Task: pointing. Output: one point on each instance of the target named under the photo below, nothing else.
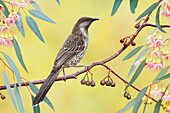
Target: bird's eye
(84, 20)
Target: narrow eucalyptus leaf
(150, 9)
(18, 98)
(138, 99)
(18, 53)
(133, 5)
(137, 73)
(157, 20)
(9, 90)
(13, 67)
(132, 53)
(116, 6)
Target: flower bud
(102, 82)
(133, 44)
(87, 83)
(122, 41)
(83, 82)
(92, 83)
(113, 84)
(137, 25)
(108, 83)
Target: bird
(70, 55)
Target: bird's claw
(64, 78)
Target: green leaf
(132, 53)
(137, 73)
(38, 14)
(157, 20)
(128, 106)
(18, 53)
(5, 11)
(13, 67)
(164, 77)
(138, 100)
(35, 90)
(58, 2)
(18, 98)
(35, 5)
(143, 53)
(161, 74)
(150, 9)
(158, 104)
(33, 26)
(116, 6)
(9, 90)
(36, 108)
(133, 5)
(19, 25)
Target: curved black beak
(94, 19)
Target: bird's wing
(72, 46)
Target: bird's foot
(64, 78)
(64, 75)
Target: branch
(156, 25)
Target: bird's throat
(84, 31)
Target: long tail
(46, 86)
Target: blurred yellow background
(71, 96)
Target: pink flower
(5, 28)
(150, 64)
(165, 3)
(137, 63)
(168, 109)
(166, 97)
(10, 21)
(167, 57)
(165, 12)
(151, 37)
(159, 42)
(6, 42)
(16, 17)
(23, 4)
(155, 92)
(13, 2)
(155, 53)
(157, 67)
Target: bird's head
(85, 22)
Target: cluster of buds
(109, 82)
(158, 92)
(158, 52)
(127, 95)
(88, 83)
(165, 8)
(124, 41)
